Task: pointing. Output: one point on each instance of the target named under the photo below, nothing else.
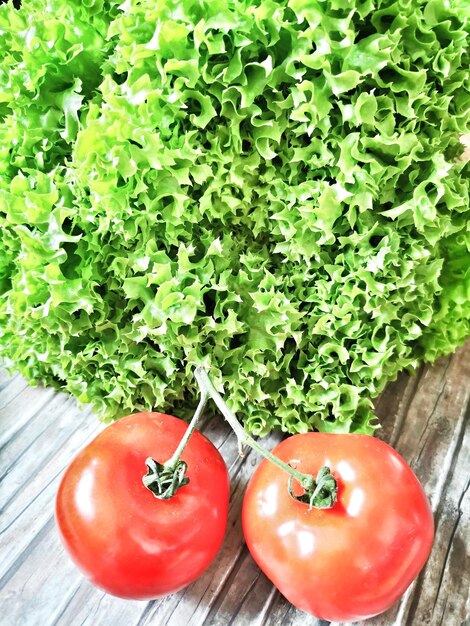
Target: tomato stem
(192, 425)
(164, 479)
(320, 493)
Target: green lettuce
(271, 189)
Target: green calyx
(320, 493)
(165, 480)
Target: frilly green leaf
(266, 189)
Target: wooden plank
(284, 613)
(33, 593)
(6, 378)
(31, 495)
(439, 598)
(19, 402)
(30, 449)
(424, 417)
(91, 607)
(431, 441)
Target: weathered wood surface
(425, 417)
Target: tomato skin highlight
(126, 541)
(352, 561)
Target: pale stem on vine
(165, 479)
(207, 388)
(189, 431)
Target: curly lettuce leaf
(269, 189)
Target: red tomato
(124, 539)
(356, 559)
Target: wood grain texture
(424, 416)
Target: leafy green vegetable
(266, 188)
